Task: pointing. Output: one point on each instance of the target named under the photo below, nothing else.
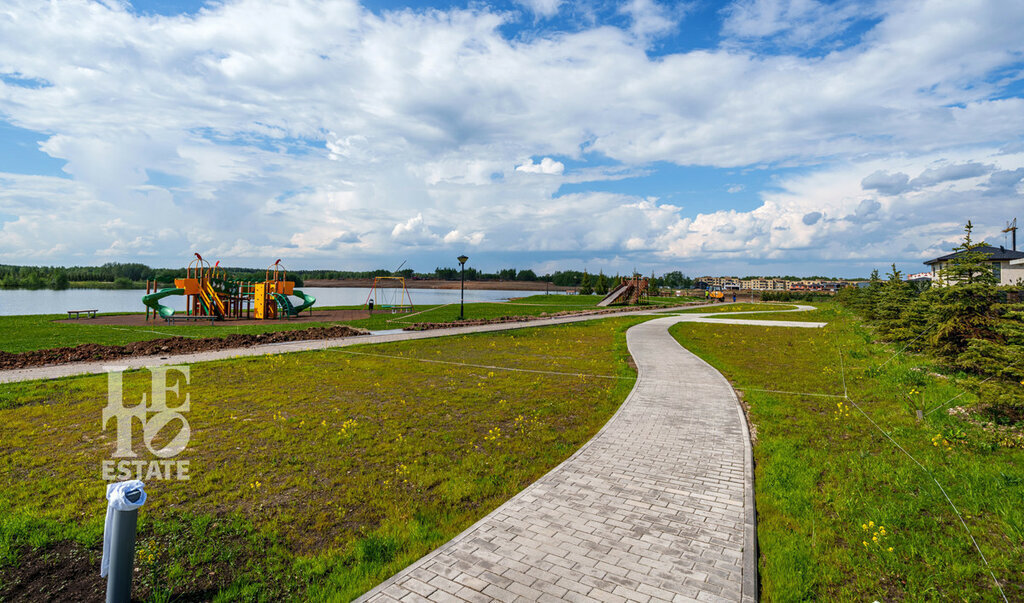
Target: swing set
(389, 293)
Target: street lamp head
(462, 259)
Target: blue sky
(745, 137)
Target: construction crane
(1011, 227)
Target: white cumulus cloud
(546, 165)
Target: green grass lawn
(41, 331)
(533, 305)
(38, 332)
(314, 475)
(821, 313)
(738, 307)
(828, 480)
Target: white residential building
(1007, 264)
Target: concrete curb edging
(750, 555)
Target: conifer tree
(1001, 354)
(963, 307)
(868, 298)
(964, 318)
(970, 265)
(601, 285)
(891, 300)
(585, 287)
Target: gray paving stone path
(658, 506)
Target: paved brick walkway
(658, 506)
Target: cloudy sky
(753, 137)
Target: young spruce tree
(601, 286)
(961, 307)
(585, 287)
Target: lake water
(44, 301)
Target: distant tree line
(112, 274)
(602, 284)
(132, 275)
(967, 321)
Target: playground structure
(630, 292)
(389, 293)
(211, 295)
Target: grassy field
(37, 332)
(313, 475)
(534, 305)
(737, 307)
(822, 314)
(843, 512)
(41, 331)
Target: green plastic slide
(286, 304)
(307, 301)
(153, 301)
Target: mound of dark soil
(166, 346)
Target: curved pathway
(658, 506)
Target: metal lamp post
(462, 303)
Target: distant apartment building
(725, 282)
(763, 284)
(825, 286)
(767, 284)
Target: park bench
(172, 319)
(78, 313)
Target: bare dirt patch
(166, 346)
(65, 571)
(139, 319)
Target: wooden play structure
(630, 292)
(389, 293)
(211, 295)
